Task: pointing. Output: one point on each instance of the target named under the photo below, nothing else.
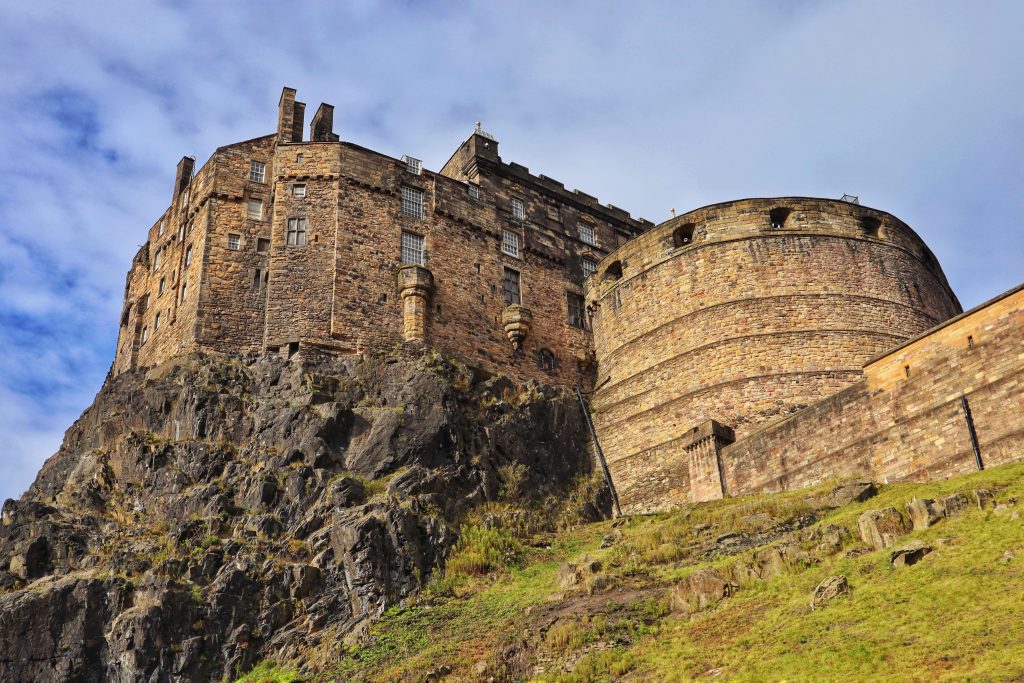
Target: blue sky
(915, 106)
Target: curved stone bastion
(742, 313)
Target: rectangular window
(299, 158)
(156, 322)
(553, 212)
(234, 242)
(510, 243)
(257, 171)
(299, 190)
(589, 267)
(412, 165)
(254, 209)
(576, 310)
(257, 279)
(510, 287)
(474, 191)
(412, 249)
(145, 334)
(188, 256)
(518, 210)
(158, 258)
(163, 285)
(163, 224)
(412, 202)
(587, 234)
(296, 231)
(262, 245)
(184, 290)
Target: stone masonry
(726, 350)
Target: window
(587, 233)
(546, 361)
(163, 224)
(777, 217)
(474, 191)
(510, 287)
(257, 171)
(262, 245)
(870, 225)
(299, 190)
(254, 209)
(299, 158)
(683, 235)
(163, 285)
(518, 210)
(589, 266)
(510, 243)
(553, 212)
(412, 165)
(576, 310)
(158, 258)
(184, 197)
(184, 290)
(188, 256)
(296, 231)
(257, 279)
(156, 322)
(145, 334)
(234, 242)
(412, 249)
(412, 202)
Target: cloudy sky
(916, 107)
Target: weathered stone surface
(910, 553)
(881, 528)
(984, 498)
(852, 492)
(828, 590)
(230, 492)
(925, 512)
(701, 590)
(956, 504)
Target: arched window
(777, 217)
(870, 225)
(683, 235)
(613, 271)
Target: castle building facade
(774, 322)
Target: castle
(747, 346)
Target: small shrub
(268, 672)
(481, 550)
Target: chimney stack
(321, 128)
(183, 176)
(290, 117)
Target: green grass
(957, 615)
(268, 672)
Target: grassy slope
(956, 615)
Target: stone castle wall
(905, 419)
(720, 315)
(340, 291)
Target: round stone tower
(742, 313)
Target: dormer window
(414, 166)
(518, 210)
(683, 235)
(777, 217)
(257, 171)
(588, 234)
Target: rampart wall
(905, 419)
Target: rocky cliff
(214, 511)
